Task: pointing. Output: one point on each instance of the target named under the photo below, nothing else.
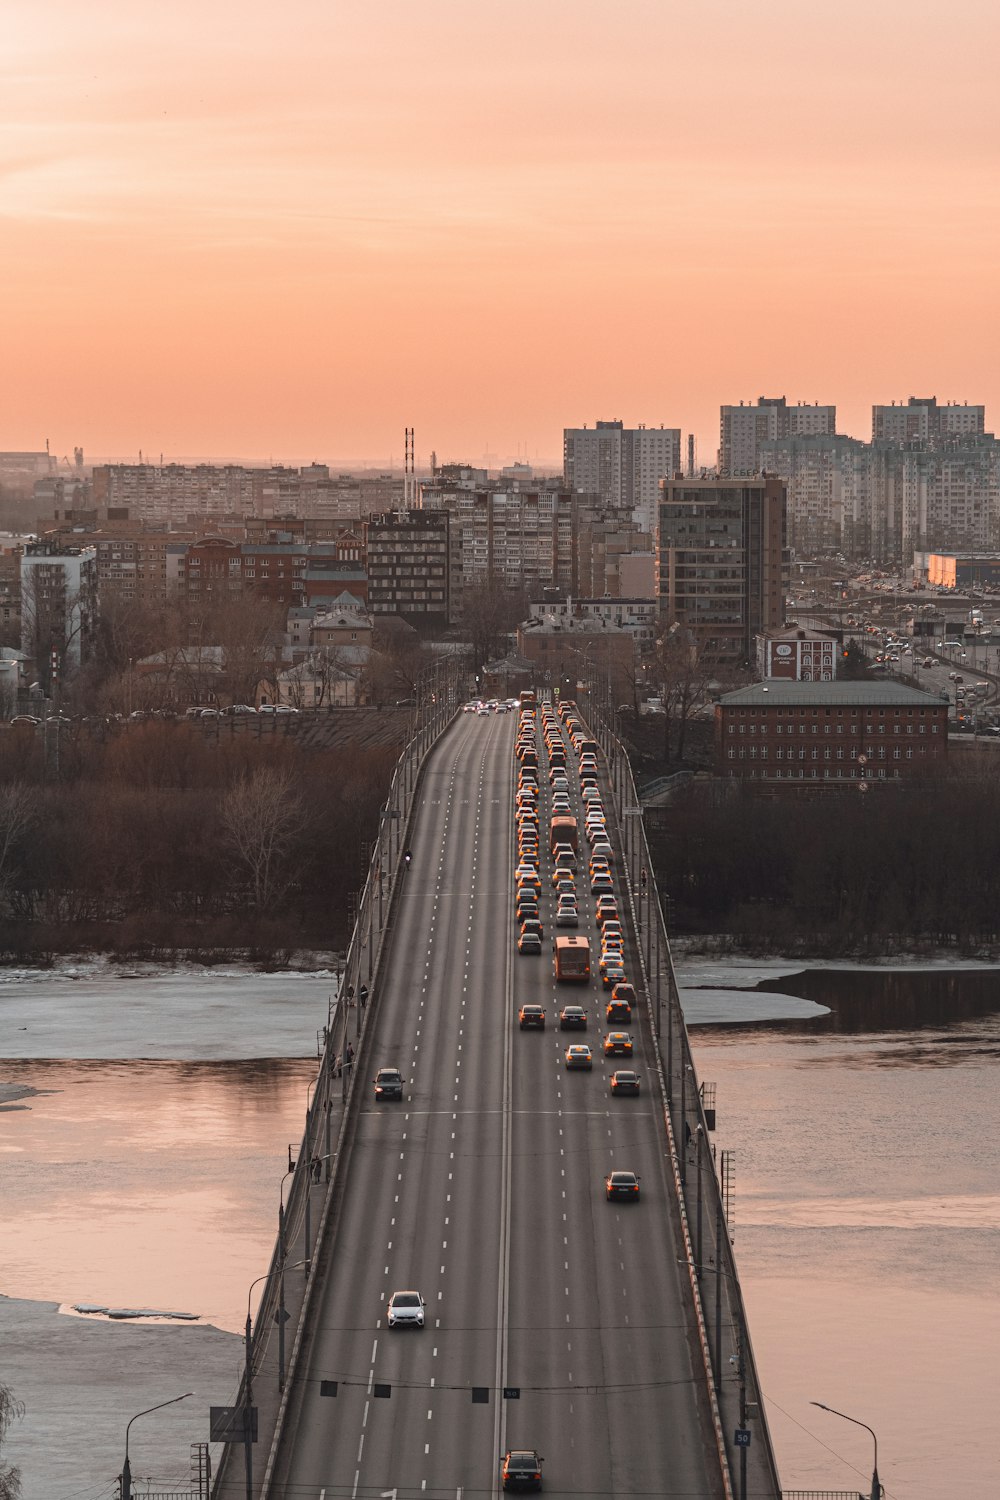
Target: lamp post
(126, 1467)
(876, 1493)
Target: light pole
(876, 1486)
(126, 1467)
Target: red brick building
(808, 732)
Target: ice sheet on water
(707, 1007)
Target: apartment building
(622, 465)
(805, 733)
(215, 569)
(722, 561)
(167, 495)
(521, 539)
(607, 544)
(58, 607)
(922, 420)
(828, 480)
(409, 572)
(743, 428)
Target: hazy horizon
(303, 231)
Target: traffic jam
(562, 841)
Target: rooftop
(842, 694)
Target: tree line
(163, 843)
(897, 869)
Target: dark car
(572, 1018)
(389, 1083)
(618, 1012)
(624, 1081)
(522, 1469)
(621, 1185)
(531, 1015)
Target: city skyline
(296, 236)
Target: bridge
(610, 1337)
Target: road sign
(512, 1393)
(742, 1437)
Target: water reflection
(146, 1184)
(867, 1218)
(888, 1000)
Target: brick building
(797, 655)
(798, 732)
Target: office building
(722, 562)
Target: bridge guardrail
(436, 706)
(698, 1180)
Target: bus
(527, 698)
(572, 960)
(563, 830)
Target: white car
(405, 1307)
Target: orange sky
(292, 230)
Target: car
(611, 929)
(617, 1044)
(567, 916)
(529, 943)
(389, 1083)
(624, 992)
(579, 1055)
(572, 1018)
(561, 807)
(607, 913)
(405, 1309)
(601, 884)
(618, 1012)
(565, 860)
(528, 912)
(25, 719)
(531, 1016)
(521, 1469)
(591, 796)
(624, 1081)
(533, 924)
(602, 848)
(564, 884)
(528, 878)
(621, 1185)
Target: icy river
(146, 1119)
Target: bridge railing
(302, 1214)
(731, 1367)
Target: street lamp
(876, 1486)
(126, 1467)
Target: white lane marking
(361, 1447)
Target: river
(867, 1215)
(145, 1121)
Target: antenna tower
(409, 472)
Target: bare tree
(490, 612)
(682, 669)
(262, 816)
(18, 806)
(11, 1410)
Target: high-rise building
(518, 538)
(623, 465)
(743, 428)
(722, 561)
(922, 420)
(827, 477)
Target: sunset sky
(290, 231)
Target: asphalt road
(484, 1191)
